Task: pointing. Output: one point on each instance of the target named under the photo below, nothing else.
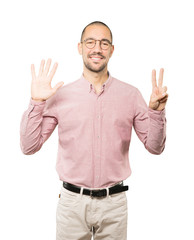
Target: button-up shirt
(94, 130)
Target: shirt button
(98, 136)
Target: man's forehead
(97, 30)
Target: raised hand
(159, 96)
(41, 88)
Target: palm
(159, 96)
(41, 85)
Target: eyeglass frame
(104, 39)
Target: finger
(57, 86)
(33, 71)
(160, 80)
(52, 73)
(41, 67)
(164, 99)
(154, 79)
(161, 97)
(164, 89)
(48, 64)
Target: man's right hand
(41, 88)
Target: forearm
(31, 138)
(156, 136)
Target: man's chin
(96, 69)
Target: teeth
(96, 58)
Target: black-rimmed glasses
(91, 43)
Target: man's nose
(97, 47)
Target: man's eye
(104, 43)
(90, 42)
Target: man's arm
(36, 127)
(39, 121)
(150, 122)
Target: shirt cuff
(36, 107)
(157, 115)
(36, 103)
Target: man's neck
(97, 79)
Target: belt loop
(107, 192)
(81, 191)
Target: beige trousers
(80, 217)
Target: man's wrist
(37, 100)
(37, 103)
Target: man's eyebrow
(103, 39)
(89, 39)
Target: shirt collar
(88, 85)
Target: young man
(95, 116)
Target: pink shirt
(94, 130)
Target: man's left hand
(159, 96)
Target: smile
(96, 59)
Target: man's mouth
(96, 58)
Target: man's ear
(80, 48)
(112, 50)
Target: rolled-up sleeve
(149, 125)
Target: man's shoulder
(71, 84)
(68, 87)
(124, 85)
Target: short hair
(96, 23)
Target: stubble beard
(96, 70)
(92, 68)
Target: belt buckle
(91, 191)
(99, 195)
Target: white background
(147, 34)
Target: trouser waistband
(96, 192)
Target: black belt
(96, 193)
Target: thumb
(57, 86)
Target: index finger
(160, 80)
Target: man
(95, 115)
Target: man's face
(96, 59)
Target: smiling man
(96, 49)
(95, 115)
